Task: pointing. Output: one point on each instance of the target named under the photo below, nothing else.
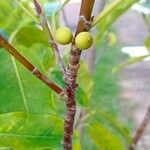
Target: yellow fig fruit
(63, 35)
(84, 40)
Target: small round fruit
(63, 35)
(84, 40)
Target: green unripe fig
(84, 40)
(63, 35)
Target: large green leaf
(113, 123)
(37, 43)
(30, 35)
(23, 131)
(19, 89)
(103, 138)
(109, 19)
(15, 19)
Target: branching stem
(45, 26)
(71, 74)
(9, 48)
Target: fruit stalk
(9, 48)
(71, 74)
(51, 40)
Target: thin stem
(62, 6)
(140, 130)
(71, 74)
(10, 49)
(43, 19)
(106, 11)
(51, 40)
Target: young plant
(81, 40)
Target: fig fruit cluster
(63, 35)
(83, 40)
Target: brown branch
(85, 10)
(140, 130)
(44, 25)
(9, 48)
(71, 74)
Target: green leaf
(22, 131)
(27, 9)
(15, 20)
(44, 55)
(103, 138)
(82, 97)
(111, 17)
(19, 89)
(76, 141)
(56, 76)
(114, 123)
(84, 78)
(105, 89)
(30, 35)
(129, 62)
(147, 43)
(15, 16)
(6, 8)
(83, 93)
